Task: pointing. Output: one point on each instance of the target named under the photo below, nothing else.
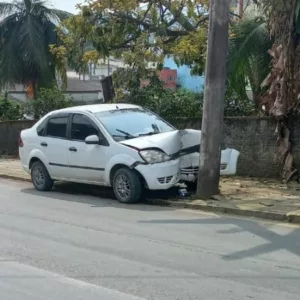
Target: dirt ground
(250, 188)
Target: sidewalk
(268, 199)
(12, 169)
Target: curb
(12, 177)
(275, 216)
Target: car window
(132, 122)
(41, 128)
(57, 127)
(82, 127)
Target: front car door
(53, 143)
(86, 162)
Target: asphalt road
(61, 246)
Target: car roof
(95, 108)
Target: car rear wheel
(127, 186)
(40, 177)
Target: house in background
(88, 91)
(180, 75)
(104, 68)
(167, 76)
(184, 78)
(97, 72)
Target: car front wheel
(40, 177)
(127, 186)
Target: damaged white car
(119, 145)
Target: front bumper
(190, 174)
(160, 176)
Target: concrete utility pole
(214, 94)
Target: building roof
(74, 85)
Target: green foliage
(235, 106)
(165, 102)
(46, 101)
(140, 32)
(27, 29)
(170, 103)
(10, 110)
(248, 60)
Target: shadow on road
(274, 241)
(97, 196)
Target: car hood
(186, 141)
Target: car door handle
(73, 149)
(43, 144)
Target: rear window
(41, 128)
(57, 127)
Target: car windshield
(131, 123)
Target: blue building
(187, 81)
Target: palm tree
(27, 30)
(248, 60)
(282, 82)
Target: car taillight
(20, 142)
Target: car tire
(127, 186)
(40, 177)
(191, 185)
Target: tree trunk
(241, 8)
(34, 90)
(256, 100)
(34, 97)
(213, 110)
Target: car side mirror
(92, 140)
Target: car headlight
(154, 156)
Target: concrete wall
(87, 97)
(253, 137)
(91, 97)
(9, 135)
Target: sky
(67, 5)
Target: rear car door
(54, 145)
(86, 162)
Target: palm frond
(7, 8)
(11, 64)
(248, 57)
(27, 30)
(31, 34)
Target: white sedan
(120, 145)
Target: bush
(46, 101)
(235, 106)
(169, 103)
(10, 110)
